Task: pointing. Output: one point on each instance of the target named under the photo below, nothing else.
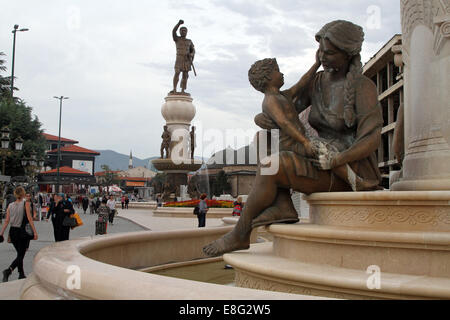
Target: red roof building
(65, 170)
(52, 138)
(75, 149)
(76, 167)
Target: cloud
(115, 60)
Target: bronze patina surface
(346, 114)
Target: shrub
(194, 203)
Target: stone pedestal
(426, 56)
(403, 235)
(178, 111)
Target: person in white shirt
(111, 204)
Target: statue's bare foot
(227, 243)
(365, 185)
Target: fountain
(380, 244)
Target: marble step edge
(361, 236)
(380, 196)
(260, 261)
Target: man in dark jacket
(61, 209)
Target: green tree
(110, 178)
(158, 182)
(20, 120)
(5, 82)
(15, 114)
(220, 185)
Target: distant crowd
(22, 209)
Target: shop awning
(135, 184)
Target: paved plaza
(131, 220)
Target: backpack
(196, 210)
(237, 210)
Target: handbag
(26, 232)
(69, 221)
(78, 218)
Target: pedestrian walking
(159, 201)
(51, 205)
(122, 200)
(62, 209)
(39, 205)
(18, 214)
(237, 207)
(203, 209)
(101, 224)
(127, 201)
(91, 205)
(85, 202)
(112, 209)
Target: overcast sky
(115, 59)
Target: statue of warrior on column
(185, 57)
(165, 145)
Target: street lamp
(16, 28)
(59, 139)
(5, 141)
(19, 143)
(33, 155)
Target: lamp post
(4, 150)
(59, 140)
(16, 28)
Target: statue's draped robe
(332, 129)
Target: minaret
(130, 163)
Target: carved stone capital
(441, 32)
(434, 14)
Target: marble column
(426, 55)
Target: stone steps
(260, 268)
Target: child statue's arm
(306, 79)
(273, 108)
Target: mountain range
(117, 161)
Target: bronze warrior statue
(185, 57)
(165, 145)
(346, 114)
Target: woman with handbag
(60, 213)
(19, 215)
(103, 215)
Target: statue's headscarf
(349, 38)
(345, 35)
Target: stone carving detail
(384, 215)
(245, 280)
(442, 33)
(434, 14)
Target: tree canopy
(15, 114)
